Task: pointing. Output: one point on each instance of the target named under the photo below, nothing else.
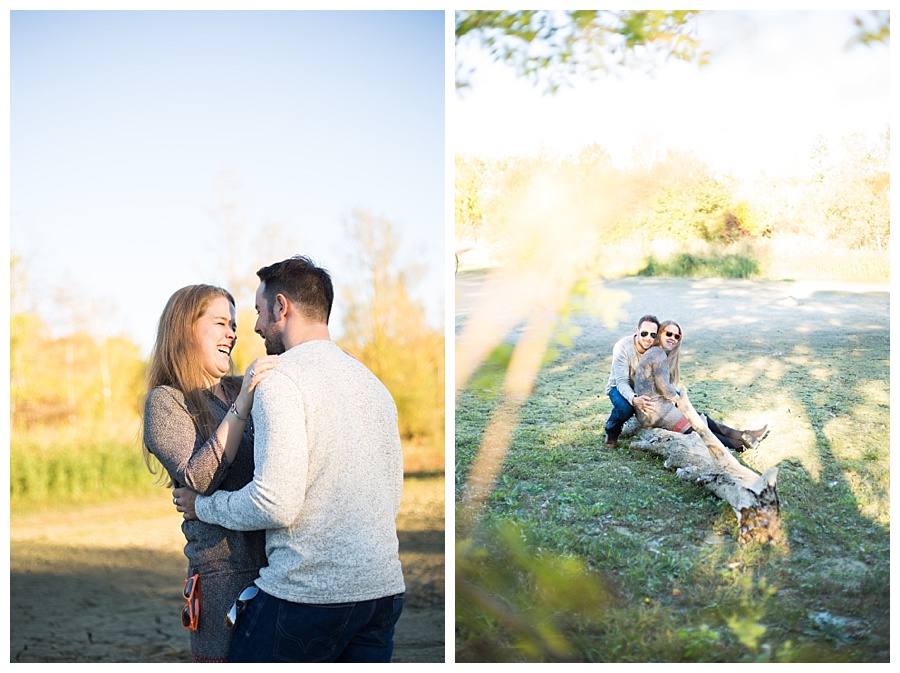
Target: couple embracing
(643, 382)
(289, 478)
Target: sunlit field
(585, 553)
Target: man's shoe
(611, 442)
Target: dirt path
(90, 586)
(701, 303)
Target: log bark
(700, 457)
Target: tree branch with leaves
(553, 47)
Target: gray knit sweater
(171, 436)
(327, 482)
(651, 378)
(625, 360)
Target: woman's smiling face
(215, 335)
(669, 337)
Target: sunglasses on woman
(673, 334)
(190, 613)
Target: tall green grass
(690, 265)
(71, 466)
(43, 477)
(75, 464)
(785, 257)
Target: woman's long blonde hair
(673, 354)
(175, 360)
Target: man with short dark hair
(326, 487)
(620, 387)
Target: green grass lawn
(587, 553)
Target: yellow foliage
(387, 329)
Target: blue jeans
(275, 630)
(621, 412)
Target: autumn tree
(25, 329)
(387, 329)
(84, 378)
(469, 196)
(848, 197)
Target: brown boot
(611, 441)
(759, 434)
(751, 438)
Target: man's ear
(281, 306)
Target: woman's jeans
(274, 630)
(621, 412)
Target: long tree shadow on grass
(689, 591)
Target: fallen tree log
(700, 457)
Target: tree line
(843, 197)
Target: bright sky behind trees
(776, 81)
(122, 124)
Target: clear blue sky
(122, 121)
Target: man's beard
(274, 338)
(274, 344)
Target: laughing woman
(197, 425)
(657, 376)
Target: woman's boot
(752, 438)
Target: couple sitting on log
(643, 382)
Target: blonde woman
(657, 376)
(197, 425)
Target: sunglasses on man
(237, 608)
